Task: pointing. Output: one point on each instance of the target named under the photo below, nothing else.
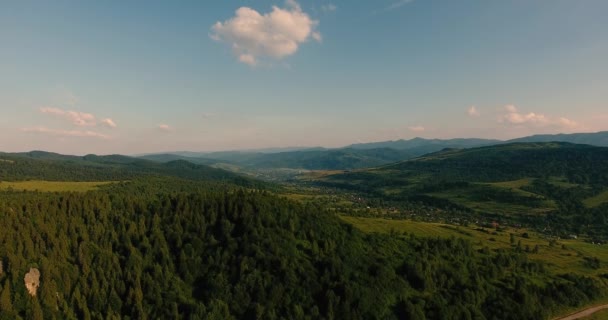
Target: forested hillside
(141, 252)
(51, 166)
(323, 159)
(559, 187)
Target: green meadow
(53, 186)
(597, 200)
(564, 255)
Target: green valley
(514, 231)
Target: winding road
(584, 313)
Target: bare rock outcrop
(32, 281)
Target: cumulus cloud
(417, 128)
(66, 133)
(473, 112)
(329, 7)
(164, 127)
(513, 116)
(108, 123)
(80, 119)
(274, 35)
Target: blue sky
(143, 76)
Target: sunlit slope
(510, 178)
(39, 165)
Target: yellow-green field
(601, 315)
(559, 259)
(53, 186)
(318, 174)
(597, 200)
(515, 184)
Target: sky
(131, 77)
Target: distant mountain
(334, 159)
(594, 139)
(327, 159)
(222, 155)
(356, 156)
(428, 144)
(168, 157)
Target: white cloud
(80, 119)
(473, 112)
(395, 5)
(274, 35)
(417, 128)
(66, 133)
(513, 116)
(248, 59)
(565, 122)
(164, 127)
(108, 123)
(329, 7)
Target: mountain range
(356, 156)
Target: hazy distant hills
(426, 144)
(351, 157)
(594, 139)
(168, 157)
(356, 156)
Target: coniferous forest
(148, 249)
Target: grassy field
(602, 315)
(53, 186)
(515, 184)
(317, 174)
(563, 256)
(597, 200)
(464, 199)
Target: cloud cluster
(108, 123)
(80, 119)
(75, 118)
(513, 116)
(164, 127)
(274, 35)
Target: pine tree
(6, 305)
